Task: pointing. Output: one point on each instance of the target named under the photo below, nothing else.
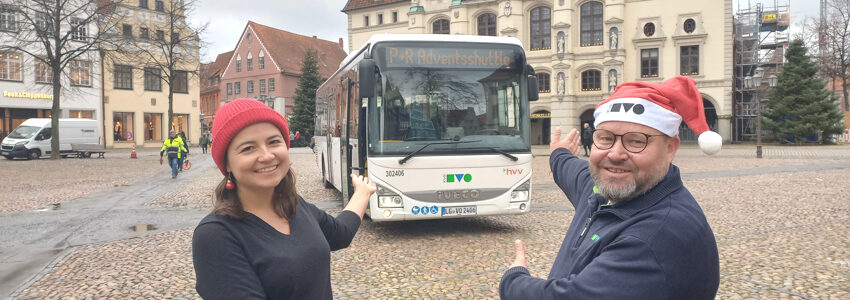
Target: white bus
(439, 122)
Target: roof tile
(287, 49)
(358, 4)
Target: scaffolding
(761, 37)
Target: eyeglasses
(634, 142)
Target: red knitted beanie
(235, 115)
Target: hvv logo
(509, 171)
(457, 178)
(638, 109)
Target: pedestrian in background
(205, 141)
(185, 151)
(637, 232)
(263, 240)
(172, 148)
(586, 138)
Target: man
(637, 232)
(173, 147)
(184, 152)
(204, 141)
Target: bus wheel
(34, 154)
(324, 178)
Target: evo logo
(637, 109)
(509, 171)
(457, 178)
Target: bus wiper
(412, 154)
(508, 155)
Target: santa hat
(661, 106)
(235, 115)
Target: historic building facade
(582, 49)
(266, 65)
(135, 92)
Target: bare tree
(56, 33)
(171, 51)
(832, 44)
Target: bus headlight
(388, 198)
(521, 193)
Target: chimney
(314, 37)
(340, 43)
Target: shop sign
(27, 95)
(541, 115)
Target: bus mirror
(367, 78)
(532, 88)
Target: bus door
(348, 142)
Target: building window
(395, 16)
(541, 18)
(80, 72)
(689, 62)
(79, 30)
(81, 114)
(144, 33)
(229, 89)
(143, 3)
(175, 38)
(122, 126)
(365, 21)
(543, 82)
(43, 72)
(153, 79)
(262, 61)
(690, 25)
(271, 84)
(250, 62)
(649, 29)
(250, 86)
(237, 88)
(591, 80)
(160, 35)
(127, 29)
(262, 86)
(591, 24)
(153, 127)
(441, 26)
(8, 19)
(10, 66)
(43, 24)
(380, 19)
(238, 63)
(649, 63)
(180, 123)
(181, 82)
(160, 6)
(123, 76)
(487, 24)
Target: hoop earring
(230, 185)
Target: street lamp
(756, 81)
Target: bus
(440, 123)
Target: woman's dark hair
(284, 200)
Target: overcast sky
(324, 19)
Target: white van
(32, 138)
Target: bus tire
(324, 177)
(34, 154)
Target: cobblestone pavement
(781, 225)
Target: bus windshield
(466, 92)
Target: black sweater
(249, 259)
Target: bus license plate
(460, 211)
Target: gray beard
(616, 194)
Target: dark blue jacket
(655, 246)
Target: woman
(263, 241)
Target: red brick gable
(221, 61)
(358, 4)
(287, 50)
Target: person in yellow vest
(174, 148)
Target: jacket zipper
(583, 231)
